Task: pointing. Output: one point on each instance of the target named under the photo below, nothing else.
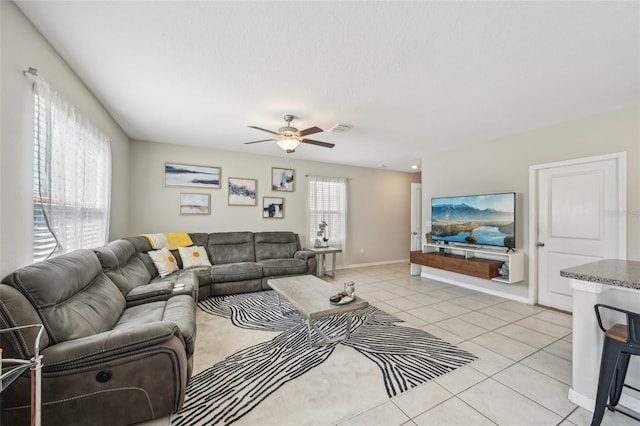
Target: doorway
(576, 217)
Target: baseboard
(581, 400)
(362, 265)
(589, 403)
(475, 287)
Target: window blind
(327, 201)
(71, 177)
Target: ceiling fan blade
(309, 131)
(324, 144)
(263, 140)
(264, 130)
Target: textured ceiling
(411, 77)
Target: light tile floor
(522, 374)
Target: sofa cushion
(275, 245)
(179, 310)
(236, 272)
(277, 267)
(143, 246)
(231, 247)
(69, 294)
(199, 238)
(121, 263)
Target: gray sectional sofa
(119, 339)
(241, 261)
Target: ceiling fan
(288, 138)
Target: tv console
(477, 262)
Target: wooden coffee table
(310, 295)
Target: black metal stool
(620, 342)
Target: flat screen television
(480, 220)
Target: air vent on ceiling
(340, 128)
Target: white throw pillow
(193, 256)
(165, 262)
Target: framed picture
(187, 175)
(272, 207)
(191, 203)
(243, 192)
(283, 179)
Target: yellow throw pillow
(193, 256)
(165, 262)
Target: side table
(322, 265)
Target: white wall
(378, 210)
(22, 46)
(503, 165)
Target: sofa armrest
(92, 349)
(150, 290)
(304, 255)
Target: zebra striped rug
(225, 392)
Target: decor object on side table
(321, 239)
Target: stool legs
(608, 366)
(620, 342)
(618, 378)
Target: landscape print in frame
(272, 207)
(191, 203)
(282, 179)
(176, 174)
(242, 192)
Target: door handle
(540, 244)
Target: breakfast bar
(612, 282)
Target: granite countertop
(615, 272)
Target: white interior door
(416, 223)
(580, 209)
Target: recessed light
(414, 166)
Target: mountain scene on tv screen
(481, 220)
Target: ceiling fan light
(288, 144)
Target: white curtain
(327, 201)
(72, 177)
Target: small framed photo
(186, 175)
(191, 203)
(283, 179)
(272, 207)
(243, 192)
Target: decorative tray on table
(341, 299)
